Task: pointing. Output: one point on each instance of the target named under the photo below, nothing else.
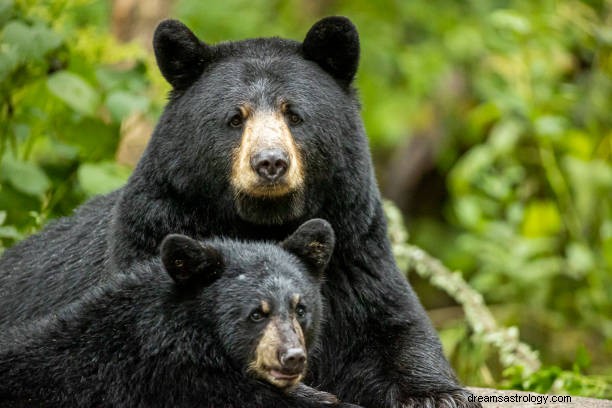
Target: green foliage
(530, 196)
(65, 88)
(553, 379)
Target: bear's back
(54, 267)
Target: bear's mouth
(270, 210)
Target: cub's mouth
(281, 378)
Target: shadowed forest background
(490, 124)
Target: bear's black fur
(231, 103)
(198, 339)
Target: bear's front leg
(460, 398)
(303, 391)
(380, 350)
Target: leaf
(6, 8)
(102, 178)
(10, 232)
(541, 218)
(25, 177)
(74, 91)
(9, 60)
(579, 258)
(505, 135)
(30, 42)
(510, 20)
(121, 104)
(550, 127)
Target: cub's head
(269, 120)
(265, 298)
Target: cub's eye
(294, 118)
(300, 310)
(236, 121)
(257, 316)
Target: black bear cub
(231, 328)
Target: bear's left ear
(333, 43)
(187, 260)
(313, 242)
(180, 55)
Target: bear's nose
(270, 164)
(293, 360)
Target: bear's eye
(300, 310)
(256, 316)
(294, 118)
(236, 121)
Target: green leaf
(26, 177)
(505, 135)
(550, 126)
(102, 178)
(9, 61)
(579, 258)
(6, 9)
(121, 104)
(10, 232)
(542, 218)
(74, 91)
(510, 20)
(31, 42)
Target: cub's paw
(452, 399)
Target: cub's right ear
(313, 242)
(187, 260)
(181, 57)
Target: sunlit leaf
(30, 42)
(74, 91)
(25, 177)
(541, 218)
(122, 104)
(511, 20)
(101, 178)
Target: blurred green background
(490, 123)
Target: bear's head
(263, 126)
(264, 299)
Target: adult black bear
(232, 328)
(257, 137)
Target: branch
(512, 351)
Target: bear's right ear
(333, 43)
(180, 55)
(313, 242)
(187, 260)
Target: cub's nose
(270, 164)
(293, 360)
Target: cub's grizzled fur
(284, 114)
(198, 339)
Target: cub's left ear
(313, 242)
(333, 43)
(187, 260)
